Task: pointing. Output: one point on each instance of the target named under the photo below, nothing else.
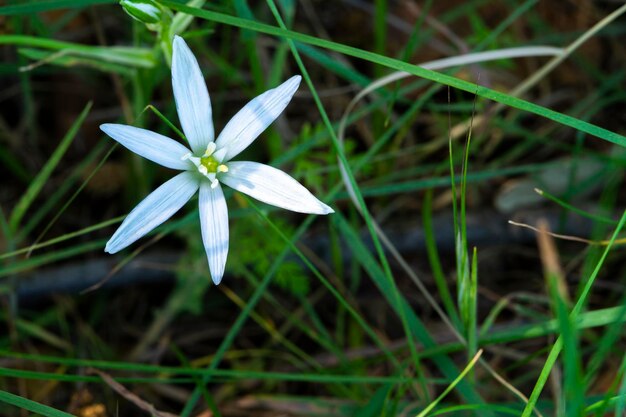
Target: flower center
(209, 164)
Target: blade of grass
(37, 331)
(26, 404)
(603, 349)
(294, 319)
(38, 182)
(347, 173)
(570, 207)
(221, 375)
(477, 408)
(450, 387)
(335, 66)
(57, 255)
(45, 5)
(418, 329)
(620, 405)
(72, 198)
(277, 336)
(472, 296)
(553, 63)
(460, 225)
(437, 77)
(165, 120)
(434, 259)
(58, 194)
(593, 319)
(517, 12)
(64, 237)
(558, 345)
(242, 317)
(326, 283)
(206, 394)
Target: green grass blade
(335, 66)
(558, 345)
(58, 194)
(242, 317)
(38, 182)
(350, 181)
(620, 404)
(30, 405)
(472, 328)
(450, 387)
(326, 283)
(45, 5)
(419, 331)
(576, 210)
(57, 255)
(63, 238)
(71, 199)
(410, 68)
(222, 375)
(604, 347)
(434, 259)
(166, 121)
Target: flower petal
(192, 98)
(150, 145)
(272, 186)
(157, 207)
(255, 117)
(214, 225)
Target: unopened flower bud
(146, 11)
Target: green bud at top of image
(146, 11)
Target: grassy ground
(416, 297)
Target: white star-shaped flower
(209, 162)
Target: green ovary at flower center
(211, 164)
(208, 164)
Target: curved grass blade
(396, 64)
(450, 387)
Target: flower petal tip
(216, 279)
(177, 43)
(296, 79)
(322, 210)
(108, 248)
(290, 86)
